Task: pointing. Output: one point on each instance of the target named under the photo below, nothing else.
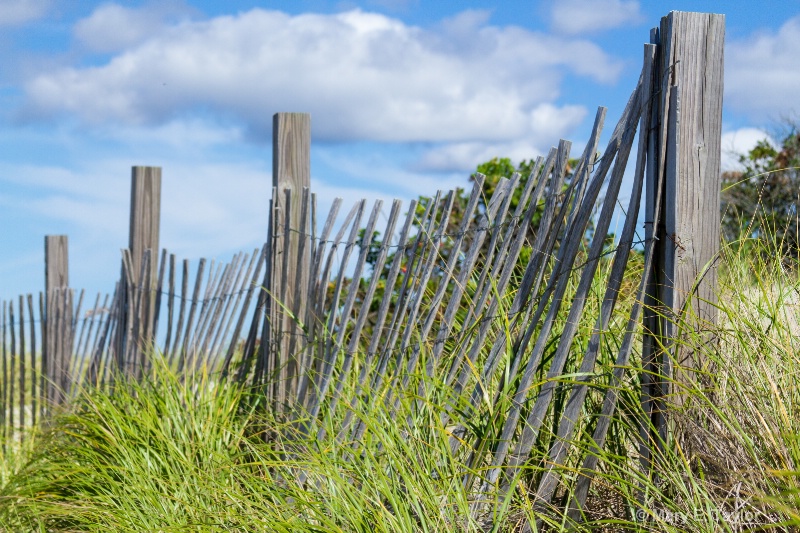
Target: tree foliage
(762, 200)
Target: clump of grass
(168, 454)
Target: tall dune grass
(173, 455)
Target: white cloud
(762, 73)
(573, 17)
(360, 75)
(13, 12)
(112, 27)
(738, 142)
(551, 122)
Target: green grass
(168, 455)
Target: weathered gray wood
(298, 341)
(413, 268)
(12, 360)
(98, 368)
(692, 50)
(332, 343)
(291, 170)
(316, 290)
(208, 302)
(21, 363)
(34, 371)
(567, 254)
(336, 346)
(170, 305)
(537, 415)
(56, 261)
(145, 216)
(82, 349)
(653, 203)
(4, 396)
(232, 305)
(159, 291)
(355, 339)
(578, 392)
(230, 278)
(316, 363)
(262, 254)
(383, 311)
(56, 280)
(185, 346)
(177, 346)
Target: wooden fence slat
(507, 271)
(568, 252)
(95, 369)
(316, 362)
(209, 300)
(458, 287)
(301, 269)
(653, 206)
(22, 369)
(225, 296)
(12, 360)
(179, 325)
(363, 313)
(331, 342)
(192, 338)
(577, 393)
(232, 304)
(34, 372)
(82, 345)
(185, 347)
(413, 268)
(6, 408)
(170, 307)
(383, 309)
(159, 291)
(261, 353)
(484, 225)
(221, 300)
(336, 346)
(316, 287)
(245, 307)
(284, 365)
(487, 284)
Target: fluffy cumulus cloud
(573, 17)
(762, 73)
(112, 27)
(362, 76)
(13, 12)
(550, 122)
(738, 142)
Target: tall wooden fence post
(58, 319)
(139, 272)
(688, 89)
(289, 256)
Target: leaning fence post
(290, 258)
(58, 319)
(145, 216)
(688, 90)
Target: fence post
(289, 259)
(137, 285)
(58, 332)
(688, 89)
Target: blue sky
(405, 96)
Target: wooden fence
(468, 300)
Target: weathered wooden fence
(494, 294)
